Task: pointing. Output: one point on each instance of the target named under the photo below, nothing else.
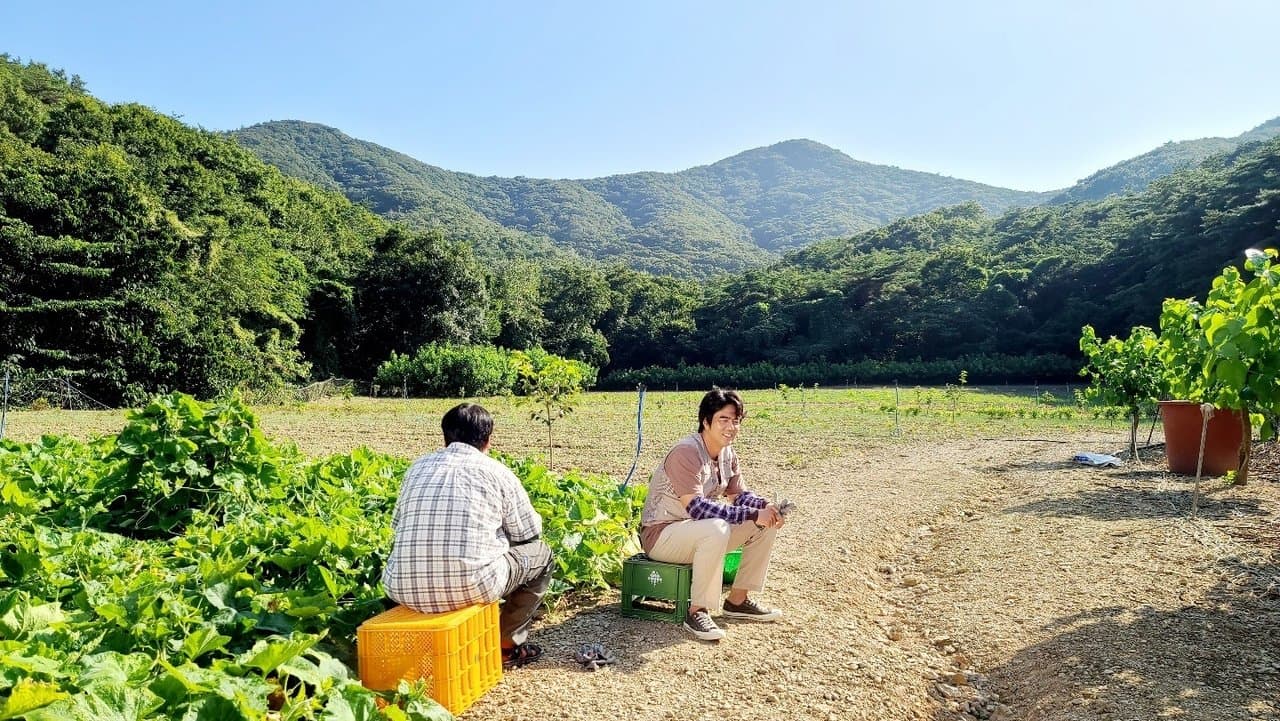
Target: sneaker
(751, 611)
(699, 623)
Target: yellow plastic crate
(458, 653)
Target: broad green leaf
(202, 641)
(350, 702)
(27, 696)
(425, 709)
(303, 669)
(1216, 326)
(17, 499)
(32, 664)
(213, 708)
(330, 666)
(267, 655)
(26, 618)
(111, 667)
(220, 595)
(113, 612)
(327, 576)
(106, 702)
(177, 683)
(1232, 371)
(599, 548)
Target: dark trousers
(530, 564)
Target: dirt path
(981, 577)
(1080, 593)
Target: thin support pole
(897, 426)
(4, 409)
(640, 389)
(1206, 412)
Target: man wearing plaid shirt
(466, 533)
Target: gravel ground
(956, 580)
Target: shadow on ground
(630, 639)
(1018, 466)
(1218, 658)
(1116, 503)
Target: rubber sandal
(594, 656)
(518, 656)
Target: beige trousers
(704, 543)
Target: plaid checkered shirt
(458, 513)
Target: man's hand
(769, 517)
(782, 517)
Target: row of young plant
(189, 568)
(444, 370)
(982, 369)
(1224, 351)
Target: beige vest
(662, 505)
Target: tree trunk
(1246, 448)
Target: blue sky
(1029, 95)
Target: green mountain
(138, 254)
(390, 184)
(1135, 174)
(794, 193)
(733, 214)
(959, 282)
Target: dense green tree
(574, 298)
(516, 318)
(139, 254)
(649, 320)
(418, 288)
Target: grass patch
(600, 435)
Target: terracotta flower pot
(1182, 420)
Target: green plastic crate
(731, 561)
(660, 591)
(655, 590)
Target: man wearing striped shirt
(698, 509)
(466, 533)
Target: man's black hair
(713, 401)
(467, 423)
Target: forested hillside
(1135, 174)
(138, 254)
(655, 227)
(794, 193)
(730, 215)
(957, 281)
(392, 185)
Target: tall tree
(574, 298)
(418, 288)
